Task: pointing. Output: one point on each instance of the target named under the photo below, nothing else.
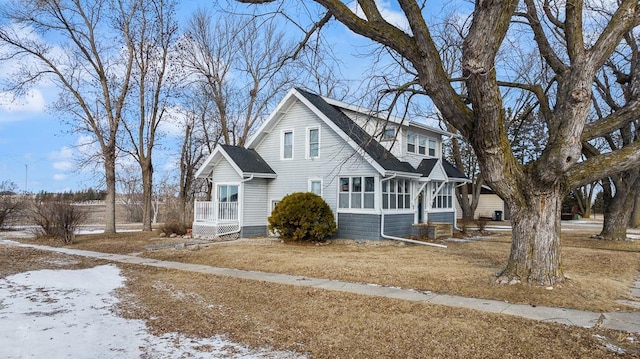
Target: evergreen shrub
(302, 216)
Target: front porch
(216, 219)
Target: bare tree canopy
(573, 39)
(90, 64)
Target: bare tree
(617, 84)
(242, 63)
(533, 191)
(11, 203)
(153, 33)
(200, 135)
(91, 65)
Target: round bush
(302, 216)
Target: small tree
(56, 218)
(11, 203)
(302, 216)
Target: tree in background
(11, 203)
(572, 53)
(242, 64)
(618, 84)
(152, 33)
(89, 58)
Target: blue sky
(38, 152)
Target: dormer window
(389, 134)
(411, 142)
(422, 145)
(432, 148)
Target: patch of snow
(69, 313)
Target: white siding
(255, 202)
(336, 158)
(438, 174)
(224, 172)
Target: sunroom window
(357, 192)
(396, 194)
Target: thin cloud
(32, 102)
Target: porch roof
(246, 162)
(427, 166)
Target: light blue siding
(224, 173)
(255, 202)
(336, 158)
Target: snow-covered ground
(70, 314)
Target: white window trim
(435, 195)
(384, 136)
(307, 154)
(435, 147)
(218, 184)
(411, 208)
(415, 142)
(282, 133)
(316, 179)
(416, 145)
(375, 192)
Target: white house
(379, 175)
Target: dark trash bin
(497, 216)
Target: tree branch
(604, 165)
(614, 121)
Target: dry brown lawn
(599, 272)
(327, 324)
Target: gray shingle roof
(248, 161)
(372, 147)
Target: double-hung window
(286, 151)
(313, 142)
(396, 194)
(422, 145)
(411, 142)
(432, 147)
(357, 192)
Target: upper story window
(389, 134)
(421, 145)
(357, 192)
(286, 151)
(313, 142)
(432, 147)
(411, 142)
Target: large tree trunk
(147, 193)
(110, 198)
(535, 245)
(617, 211)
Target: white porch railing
(212, 212)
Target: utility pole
(26, 177)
